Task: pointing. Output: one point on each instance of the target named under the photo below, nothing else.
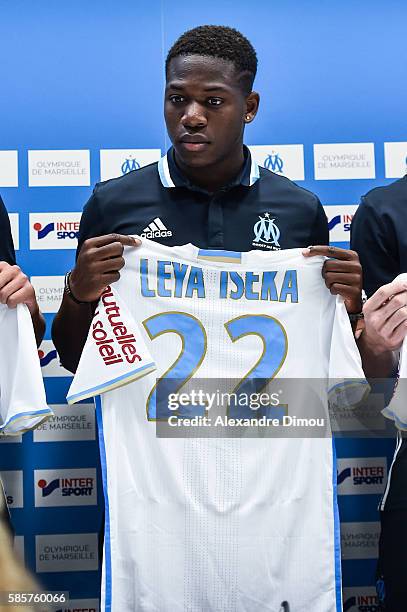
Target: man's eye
(177, 99)
(215, 101)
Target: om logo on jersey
(129, 164)
(266, 231)
(274, 162)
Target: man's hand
(342, 274)
(98, 265)
(385, 316)
(15, 288)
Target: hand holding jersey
(386, 316)
(342, 273)
(385, 327)
(15, 288)
(385, 330)
(98, 265)
(99, 262)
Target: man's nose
(194, 116)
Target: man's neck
(213, 178)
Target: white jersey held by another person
(226, 524)
(23, 404)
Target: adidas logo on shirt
(156, 229)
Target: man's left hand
(342, 273)
(15, 288)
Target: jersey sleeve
(6, 240)
(115, 352)
(23, 404)
(347, 384)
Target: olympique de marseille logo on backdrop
(274, 162)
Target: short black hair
(219, 41)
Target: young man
(15, 288)
(379, 235)
(207, 190)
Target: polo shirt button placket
(215, 222)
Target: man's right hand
(98, 265)
(385, 327)
(386, 317)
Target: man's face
(204, 109)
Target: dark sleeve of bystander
(320, 232)
(374, 238)
(6, 241)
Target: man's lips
(194, 146)
(194, 142)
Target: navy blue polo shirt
(257, 210)
(6, 241)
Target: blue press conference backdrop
(88, 76)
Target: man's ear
(252, 106)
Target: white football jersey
(219, 523)
(22, 396)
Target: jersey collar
(171, 175)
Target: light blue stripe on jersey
(29, 413)
(166, 180)
(220, 255)
(391, 415)
(99, 388)
(348, 383)
(337, 532)
(164, 172)
(254, 172)
(107, 551)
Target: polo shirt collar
(171, 175)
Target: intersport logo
(75, 487)
(339, 221)
(362, 476)
(54, 230)
(360, 599)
